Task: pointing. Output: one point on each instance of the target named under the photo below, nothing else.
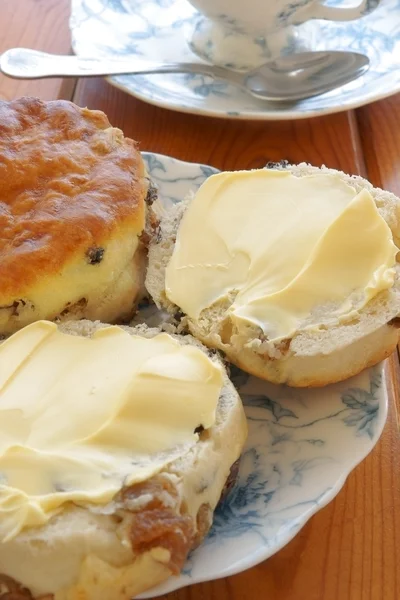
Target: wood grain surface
(380, 133)
(38, 24)
(350, 550)
(224, 143)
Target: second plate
(157, 29)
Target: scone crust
(68, 183)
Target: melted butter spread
(278, 248)
(82, 417)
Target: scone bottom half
(142, 536)
(76, 216)
(324, 342)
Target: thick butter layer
(282, 247)
(81, 417)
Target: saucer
(159, 29)
(301, 446)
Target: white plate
(302, 444)
(157, 29)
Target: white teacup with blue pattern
(246, 33)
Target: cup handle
(333, 13)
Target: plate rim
(256, 116)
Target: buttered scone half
(291, 271)
(115, 447)
(73, 215)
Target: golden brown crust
(68, 181)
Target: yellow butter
(280, 247)
(81, 417)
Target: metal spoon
(284, 79)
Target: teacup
(246, 33)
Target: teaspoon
(285, 79)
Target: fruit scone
(75, 215)
(115, 447)
(292, 271)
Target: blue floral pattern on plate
(302, 444)
(156, 29)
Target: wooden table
(350, 550)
